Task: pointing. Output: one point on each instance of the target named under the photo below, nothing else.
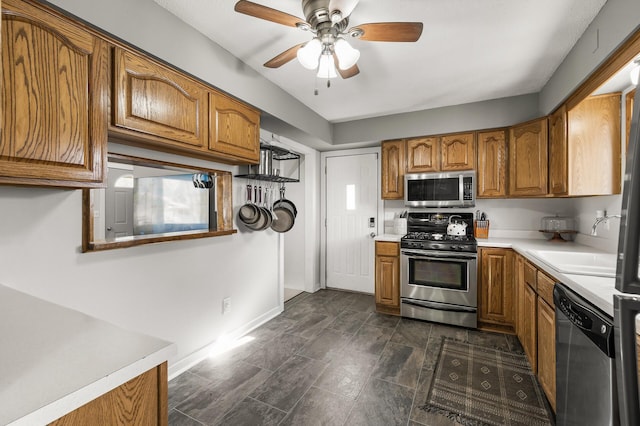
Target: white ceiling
(470, 50)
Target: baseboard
(179, 367)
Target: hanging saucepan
(266, 208)
(283, 202)
(249, 213)
(262, 217)
(265, 215)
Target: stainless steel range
(438, 269)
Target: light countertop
(392, 238)
(597, 290)
(54, 359)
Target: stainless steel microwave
(446, 189)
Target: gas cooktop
(428, 231)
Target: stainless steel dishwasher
(585, 367)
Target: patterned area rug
(481, 386)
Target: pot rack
(276, 156)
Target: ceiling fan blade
(267, 13)
(353, 71)
(284, 57)
(344, 6)
(348, 73)
(389, 31)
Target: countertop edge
(82, 396)
(597, 290)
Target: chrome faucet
(599, 220)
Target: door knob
(372, 235)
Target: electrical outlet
(226, 305)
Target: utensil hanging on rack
(249, 213)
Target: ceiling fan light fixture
(309, 54)
(347, 55)
(336, 16)
(635, 72)
(327, 68)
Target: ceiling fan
(328, 20)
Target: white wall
(302, 242)
(614, 23)
(521, 217)
(171, 290)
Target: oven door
(436, 276)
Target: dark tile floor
(328, 359)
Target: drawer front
(530, 275)
(545, 287)
(384, 248)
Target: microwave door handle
(460, 189)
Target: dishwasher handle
(593, 323)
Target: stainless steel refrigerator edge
(627, 305)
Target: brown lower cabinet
(387, 286)
(140, 401)
(496, 307)
(535, 323)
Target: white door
(352, 205)
(119, 204)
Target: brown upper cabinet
(458, 152)
(558, 163)
(628, 114)
(54, 129)
(441, 153)
(393, 166)
(492, 164)
(157, 106)
(234, 128)
(584, 148)
(422, 155)
(528, 158)
(152, 99)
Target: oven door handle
(438, 306)
(438, 255)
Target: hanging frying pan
(249, 213)
(283, 202)
(284, 219)
(260, 223)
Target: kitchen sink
(581, 263)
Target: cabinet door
(55, 87)
(529, 326)
(387, 287)
(547, 350)
(157, 101)
(140, 401)
(235, 128)
(497, 287)
(594, 146)
(393, 165)
(422, 155)
(528, 158)
(558, 151)
(492, 164)
(520, 296)
(458, 152)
